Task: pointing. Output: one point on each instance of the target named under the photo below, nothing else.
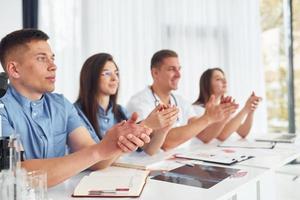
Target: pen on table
(110, 191)
(295, 178)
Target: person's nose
(52, 65)
(178, 73)
(114, 77)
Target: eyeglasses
(109, 74)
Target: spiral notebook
(112, 182)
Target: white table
(271, 159)
(259, 169)
(154, 189)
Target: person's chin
(51, 88)
(174, 87)
(112, 92)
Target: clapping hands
(252, 103)
(128, 135)
(218, 111)
(161, 117)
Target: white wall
(10, 17)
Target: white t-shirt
(199, 110)
(144, 102)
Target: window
(296, 44)
(274, 61)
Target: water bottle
(4, 153)
(13, 179)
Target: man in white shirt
(165, 71)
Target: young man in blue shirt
(46, 121)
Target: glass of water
(37, 185)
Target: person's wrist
(146, 123)
(226, 119)
(207, 119)
(161, 131)
(97, 153)
(104, 150)
(251, 112)
(245, 110)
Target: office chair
(3, 83)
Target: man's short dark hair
(159, 56)
(18, 38)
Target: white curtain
(15, 18)
(205, 33)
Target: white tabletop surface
(264, 161)
(273, 159)
(163, 190)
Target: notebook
(141, 160)
(215, 156)
(112, 182)
(278, 137)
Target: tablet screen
(203, 176)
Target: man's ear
(154, 72)
(12, 69)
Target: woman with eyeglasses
(213, 82)
(98, 108)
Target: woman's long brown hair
(89, 87)
(205, 86)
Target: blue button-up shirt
(105, 120)
(43, 125)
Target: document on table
(112, 182)
(218, 156)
